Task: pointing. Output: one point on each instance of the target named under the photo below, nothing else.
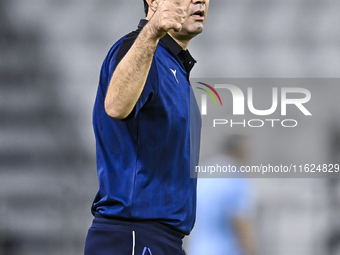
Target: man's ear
(152, 4)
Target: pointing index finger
(181, 3)
(186, 4)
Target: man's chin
(193, 30)
(196, 28)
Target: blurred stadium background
(50, 57)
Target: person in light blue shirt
(223, 206)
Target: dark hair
(146, 8)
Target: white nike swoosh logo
(174, 72)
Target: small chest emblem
(174, 72)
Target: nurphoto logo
(242, 102)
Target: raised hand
(170, 14)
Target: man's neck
(183, 43)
